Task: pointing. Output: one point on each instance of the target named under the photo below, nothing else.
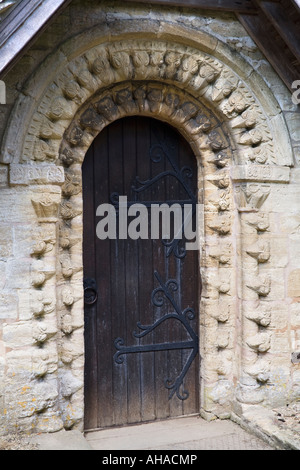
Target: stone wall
(202, 74)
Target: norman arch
(194, 86)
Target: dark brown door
(141, 296)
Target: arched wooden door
(141, 296)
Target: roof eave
(22, 26)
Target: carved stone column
(217, 330)
(44, 307)
(253, 186)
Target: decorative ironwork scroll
(182, 175)
(158, 152)
(184, 317)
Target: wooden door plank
(118, 277)
(91, 366)
(159, 264)
(132, 279)
(175, 330)
(146, 281)
(103, 273)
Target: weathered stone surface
(18, 335)
(294, 283)
(8, 305)
(3, 175)
(180, 69)
(293, 122)
(265, 173)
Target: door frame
(92, 307)
(215, 222)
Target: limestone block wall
(203, 75)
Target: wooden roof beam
(272, 46)
(240, 6)
(280, 17)
(23, 24)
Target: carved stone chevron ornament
(184, 68)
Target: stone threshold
(263, 423)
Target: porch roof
(274, 25)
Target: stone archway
(239, 161)
(202, 129)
